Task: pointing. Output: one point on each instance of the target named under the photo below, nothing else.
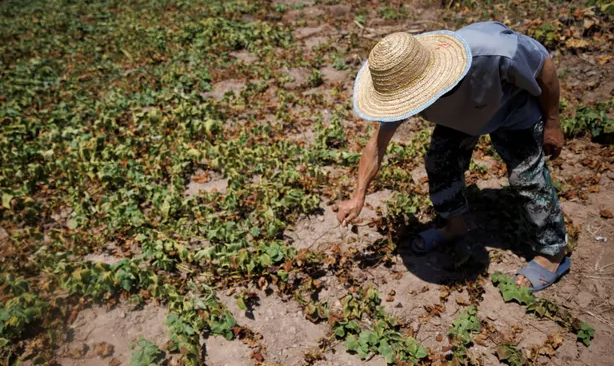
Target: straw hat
(406, 74)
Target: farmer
(481, 79)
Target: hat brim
(449, 61)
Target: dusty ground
(287, 335)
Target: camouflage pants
(449, 156)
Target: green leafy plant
(21, 311)
(146, 354)
(591, 120)
(460, 334)
(605, 6)
(542, 307)
(383, 338)
(339, 63)
(315, 78)
(547, 34)
(585, 334)
(393, 12)
(508, 354)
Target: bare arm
(549, 102)
(371, 159)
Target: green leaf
(6, 200)
(283, 275)
(241, 303)
(420, 353)
(587, 328)
(254, 231)
(386, 351)
(369, 337)
(353, 325)
(265, 260)
(165, 208)
(147, 354)
(340, 331)
(351, 343)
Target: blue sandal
(536, 274)
(429, 237)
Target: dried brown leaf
(103, 349)
(390, 297)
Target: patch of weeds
(299, 6)
(508, 354)
(146, 354)
(339, 63)
(383, 338)
(280, 8)
(332, 136)
(547, 34)
(403, 206)
(393, 12)
(315, 78)
(460, 335)
(604, 6)
(20, 311)
(586, 334)
(542, 307)
(591, 120)
(360, 19)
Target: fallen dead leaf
(606, 214)
(390, 297)
(103, 349)
(115, 362)
(77, 351)
(602, 60)
(577, 43)
(444, 293)
(201, 178)
(481, 339)
(257, 356)
(556, 340)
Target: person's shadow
(496, 220)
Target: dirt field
(295, 96)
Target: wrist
(552, 122)
(359, 195)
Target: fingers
(555, 154)
(341, 215)
(552, 151)
(346, 217)
(350, 218)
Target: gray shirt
(500, 90)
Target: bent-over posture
(481, 79)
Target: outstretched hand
(349, 210)
(553, 141)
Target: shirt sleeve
(522, 69)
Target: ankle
(557, 258)
(456, 226)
